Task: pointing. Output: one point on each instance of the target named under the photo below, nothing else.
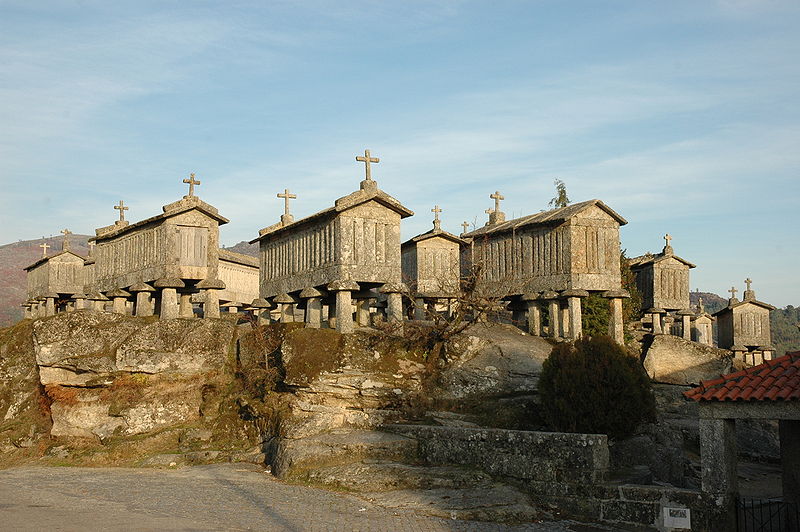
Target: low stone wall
(524, 455)
(565, 471)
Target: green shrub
(594, 386)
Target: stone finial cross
(191, 182)
(91, 248)
(44, 247)
(437, 224)
(497, 197)
(465, 226)
(121, 208)
(367, 159)
(66, 233)
(700, 305)
(748, 282)
(733, 291)
(286, 197)
(668, 239)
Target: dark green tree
(594, 386)
(560, 200)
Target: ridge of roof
(649, 258)
(546, 218)
(48, 257)
(740, 303)
(241, 258)
(432, 234)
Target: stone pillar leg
(656, 323)
(332, 313)
(575, 318)
(394, 307)
(362, 312)
(286, 313)
(50, 307)
(534, 318)
(28, 315)
(718, 464)
(789, 432)
(211, 304)
(554, 314)
(565, 331)
(118, 305)
(144, 304)
(314, 312)
(186, 306)
(419, 308)
(169, 303)
(70, 306)
(616, 327)
(233, 310)
(344, 312)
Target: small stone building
(52, 280)
(552, 258)
(744, 327)
(339, 254)
(239, 273)
(431, 266)
(663, 279)
(169, 256)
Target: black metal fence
(767, 515)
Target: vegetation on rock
(594, 386)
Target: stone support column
(211, 299)
(363, 317)
(144, 299)
(98, 302)
(564, 324)
(344, 306)
(186, 310)
(80, 301)
(118, 299)
(616, 325)
(574, 297)
(718, 462)
(261, 309)
(285, 304)
(394, 301)
(313, 298)
(26, 311)
(534, 313)
(553, 312)
(686, 323)
(332, 312)
(50, 305)
(169, 297)
(419, 308)
(655, 315)
(233, 309)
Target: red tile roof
(774, 380)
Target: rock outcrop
(673, 360)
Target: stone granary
(52, 280)
(663, 281)
(239, 273)
(744, 328)
(339, 254)
(553, 259)
(163, 259)
(431, 266)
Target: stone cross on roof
(437, 224)
(44, 247)
(66, 233)
(121, 208)
(191, 182)
(465, 226)
(749, 294)
(748, 282)
(667, 239)
(367, 159)
(667, 245)
(286, 218)
(497, 197)
(733, 291)
(91, 248)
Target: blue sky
(682, 116)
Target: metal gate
(767, 515)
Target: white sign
(677, 518)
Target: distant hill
(711, 302)
(16, 256)
(245, 248)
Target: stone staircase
(385, 468)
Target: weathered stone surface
(671, 359)
(494, 359)
(376, 477)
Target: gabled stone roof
(774, 380)
(50, 257)
(649, 258)
(732, 306)
(549, 218)
(173, 209)
(359, 197)
(433, 233)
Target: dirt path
(217, 497)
